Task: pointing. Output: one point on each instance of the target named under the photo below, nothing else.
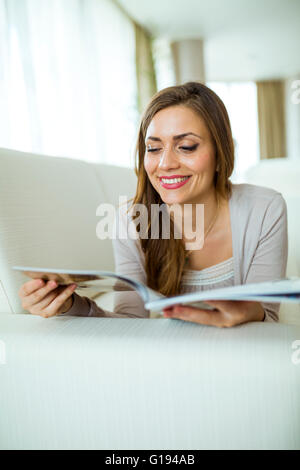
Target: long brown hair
(165, 259)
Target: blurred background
(76, 74)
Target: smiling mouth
(173, 183)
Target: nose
(168, 160)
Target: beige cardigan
(260, 247)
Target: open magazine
(282, 290)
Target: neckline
(233, 257)
(210, 268)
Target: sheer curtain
(68, 79)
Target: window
(68, 86)
(163, 63)
(241, 103)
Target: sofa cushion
(102, 383)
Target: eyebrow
(175, 137)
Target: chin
(173, 199)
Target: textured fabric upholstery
(100, 383)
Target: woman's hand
(46, 299)
(226, 314)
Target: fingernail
(168, 314)
(73, 286)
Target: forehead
(175, 120)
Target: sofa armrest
(101, 383)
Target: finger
(168, 309)
(55, 306)
(197, 315)
(28, 287)
(173, 310)
(38, 295)
(40, 306)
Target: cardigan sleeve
(270, 258)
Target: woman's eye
(185, 148)
(189, 148)
(153, 150)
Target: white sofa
(100, 383)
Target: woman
(186, 156)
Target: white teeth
(174, 180)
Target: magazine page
(91, 283)
(283, 290)
(94, 283)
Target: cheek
(202, 163)
(149, 165)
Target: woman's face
(180, 156)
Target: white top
(219, 275)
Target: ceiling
(244, 39)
